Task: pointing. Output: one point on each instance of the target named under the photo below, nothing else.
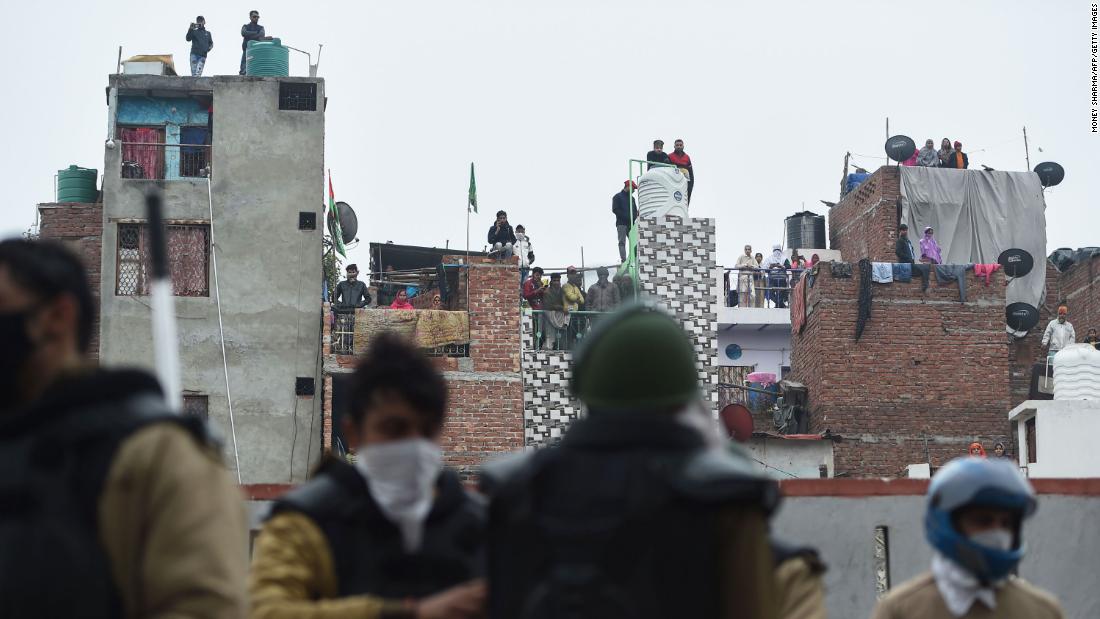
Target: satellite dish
(900, 147)
(349, 223)
(1021, 316)
(733, 351)
(737, 420)
(1050, 173)
(1016, 262)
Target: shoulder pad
(320, 497)
(497, 472)
(715, 475)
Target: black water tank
(805, 230)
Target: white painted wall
(781, 457)
(768, 350)
(1065, 437)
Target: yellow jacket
(574, 297)
(293, 576)
(800, 590)
(174, 528)
(920, 599)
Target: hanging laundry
(923, 271)
(986, 271)
(946, 273)
(841, 269)
(903, 272)
(864, 311)
(798, 306)
(882, 272)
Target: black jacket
(903, 249)
(504, 235)
(351, 294)
(656, 156)
(367, 549)
(55, 456)
(251, 33)
(201, 41)
(618, 206)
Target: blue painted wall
(160, 111)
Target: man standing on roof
(201, 44)
(114, 504)
(974, 522)
(525, 252)
(1059, 333)
(683, 161)
(603, 296)
(657, 155)
(957, 159)
(903, 248)
(252, 31)
(626, 211)
(351, 293)
(745, 265)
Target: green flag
(334, 215)
(472, 204)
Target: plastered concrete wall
(1063, 546)
(768, 350)
(783, 458)
(267, 167)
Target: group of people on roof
(948, 156)
(760, 279)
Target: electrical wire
(221, 330)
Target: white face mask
(997, 539)
(401, 477)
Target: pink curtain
(136, 148)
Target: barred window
(196, 406)
(298, 96)
(188, 259)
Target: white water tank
(663, 191)
(1077, 373)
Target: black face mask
(17, 347)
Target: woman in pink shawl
(929, 248)
(402, 301)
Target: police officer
(974, 522)
(394, 536)
(639, 512)
(110, 505)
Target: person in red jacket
(683, 161)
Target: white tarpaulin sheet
(976, 215)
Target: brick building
(80, 226)
(929, 374)
(485, 412)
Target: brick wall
(864, 223)
(928, 376)
(80, 226)
(1027, 351)
(1080, 289)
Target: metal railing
(156, 161)
(760, 287)
(559, 330)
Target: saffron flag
(471, 206)
(334, 220)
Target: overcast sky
(551, 99)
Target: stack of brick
(928, 376)
(80, 226)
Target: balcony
(757, 299)
(154, 161)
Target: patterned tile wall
(676, 260)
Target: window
(298, 96)
(196, 406)
(188, 259)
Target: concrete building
(240, 162)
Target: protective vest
(367, 548)
(54, 464)
(622, 520)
